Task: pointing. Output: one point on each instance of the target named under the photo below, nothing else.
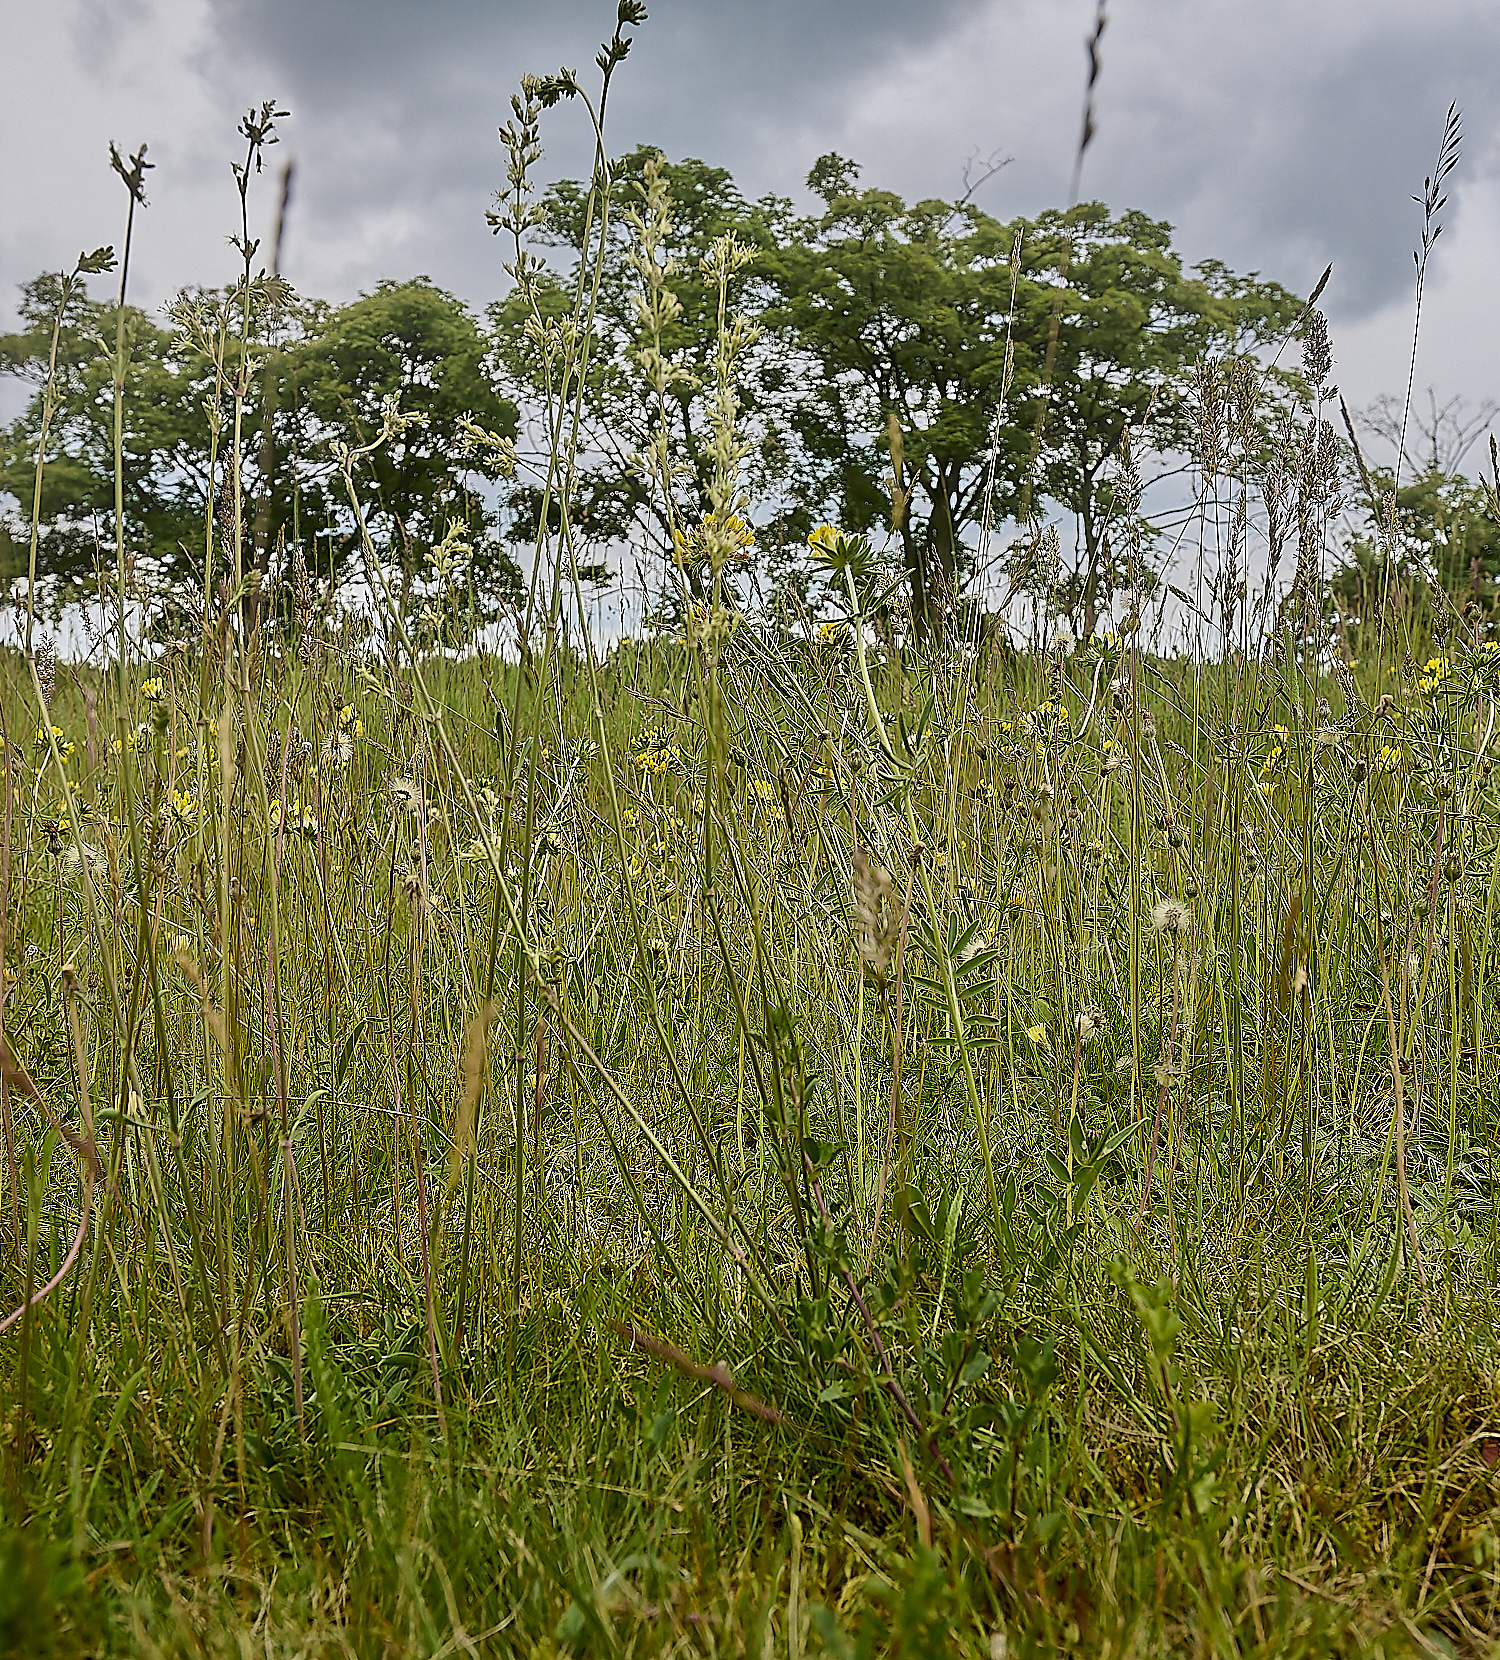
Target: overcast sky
(1275, 136)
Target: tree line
(923, 369)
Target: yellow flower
(153, 689)
(1434, 672)
(763, 788)
(1038, 1035)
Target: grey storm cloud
(399, 103)
(1277, 137)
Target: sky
(1276, 137)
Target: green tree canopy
(330, 369)
(932, 325)
(904, 350)
(615, 500)
(418, 343)
(1446, 534)
(165, 439)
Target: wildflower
(84, 854)
(488, 800)
(1171, 917)
(628, 819)
(153, 690)
(714, 540)
(833, 636)
(1086, 1022)
(658, 757)
(483, 848)
(876, 925)
(1434, 672)
(1273, 760)
(763, 789)
(1038, 1035)
(972, 949)
(707, 628)
(338, 749)
(184, 808)
(1063, 641)
(405, 795)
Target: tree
(1446, 533)
(903, 317)
(327, 371)
(413, 341)
(931, 328)
(163, 418)
(928, 365)
(669, 215)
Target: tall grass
(754, 1141)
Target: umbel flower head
(714, 542)
(405, 796)
(81, 854)
(876, 924)
(1171, 917)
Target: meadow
(793, 1134)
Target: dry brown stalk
(718, 1374)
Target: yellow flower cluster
(714, 541)
(135, 742)
(298, 820)
(1273, 760)
(66, 748)
(1434, 672)
(657, 756)
(153, 690)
